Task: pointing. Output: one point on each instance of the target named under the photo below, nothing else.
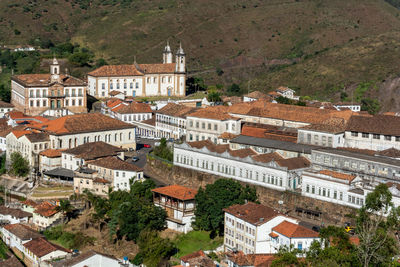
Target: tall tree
(211, 201)
(19, 165)
(376, 222)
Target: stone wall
(331, 213)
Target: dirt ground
(119, 249)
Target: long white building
(268, 170)
(166, 79)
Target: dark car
(134, 159)
(147, 145)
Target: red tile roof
(115, 92)
(94, 150)
(17, 213)
(22, 231)
(114, 163)
(269, 132)
(41, 247)
(113, 102)
(31, 80)
(253, 213)
(115, 70)
(228, 136)
(176, 191)
(157, 68)
(134, 107)
(46, 209)
(338, 175)
(215, 113)
(378, 124)
(101, 181)
(292, 230)
(256, 260)
(332, 125)
(51, 153)
(176, 110)
(82, 123)
(30, 202)
(265, 158)
(256, 95)
(196, 254)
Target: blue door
(169, 92)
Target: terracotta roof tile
(289, 112)
(196, 254)
(210, 146)
(113, 102)
(253, 213)
(5, 104)
(41, 247)
(114, 163)
(51, 153)
(332, 125)
(294, 163)
(115, 71)
(378, 124)
(228, 136)
(101, 181)
(94, 150)
(30, 202)
(12, 261)
(31, 80)
(19, 133)
(37, 137)
(158, 68)
(176, 110)
(151, 121)
(134, 107)
(177, 191)
(269, 132)
(46, 209)
(256, 260)
(242, 153)
(115, 92)
(256, 95)
(355, 240)
(82, 123)
(292, 230)
(265, 158)
(22, 231)
(338, 175)
(215, 113)
(17, 213)
(390, 152)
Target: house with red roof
(133, 80)
(40, 252)
(179, 203)
(291, 234)
(46, 215)
(248, 228)
(51, 94)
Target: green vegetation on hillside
(66, 239)
(3, 250)
(195, 241)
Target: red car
(147, 145)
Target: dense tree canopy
(211, 201)
(19, 165)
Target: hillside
(334, 42)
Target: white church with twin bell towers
(166, 79)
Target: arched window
(120, 137)
(115, 137)
(76, 141)
(69, 143)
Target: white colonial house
(179, 203)
(288, 234)
(329, 133)
(171, 120)
(49, 159)
(42, 252)
(166, 79)
(5, 108)
(45, 215)
(377, 132)
(335, 187)
(355, 107)
(51, 94)
(287, 92)
(131, 112)
(16, 235)
(77, 157)
(69, 132)
(12, 216)
(209, 123)
(268, 170)
(250, 228)
(117, 171)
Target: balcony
(173, 205)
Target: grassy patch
(67, 239)
(3, 250)
(57, 188)
(194, 241)
(53, 194)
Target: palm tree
(66, 208)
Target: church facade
(51, 94)
(139, 80)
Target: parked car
(147, 145)
(134, 159)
